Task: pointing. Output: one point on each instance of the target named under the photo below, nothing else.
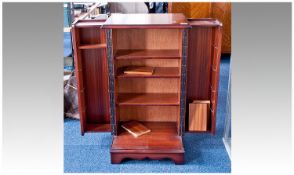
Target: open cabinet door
(91, 69)
(203, 63)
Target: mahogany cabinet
(185, 54)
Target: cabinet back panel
(199, 63)
(149, 113)
(146, 85)
(147, 38)
(94, 68)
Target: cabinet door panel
(199, 63)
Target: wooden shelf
(147, 54)
(162, 138)
(145, 99)
(93, 46)
(159, 72)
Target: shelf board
(148, 99)
(93, 46)
(147, 54)
(163, 137)
(159, 72)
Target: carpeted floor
(203, 152)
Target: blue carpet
(203, 152)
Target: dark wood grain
(199, 64)
(96, 89)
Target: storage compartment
(198, 115)
(149, 113)
(90, 37)
(148, 85)
(148, 39)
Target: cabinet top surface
(172, 20)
